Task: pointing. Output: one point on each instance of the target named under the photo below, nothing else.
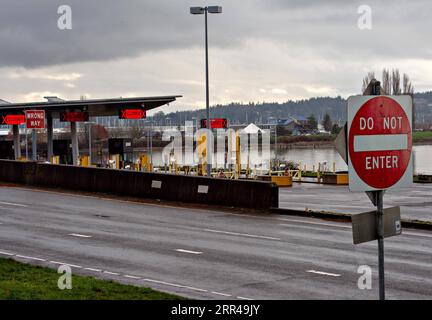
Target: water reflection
(312, 156)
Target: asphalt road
(415, 203)
(206, 254)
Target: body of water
(312, 156)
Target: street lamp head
(197, 10)
(201, 10)
(214, 9)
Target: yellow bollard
(55, 159)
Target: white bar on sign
(156, 184)
(380, 142)
(202, 189)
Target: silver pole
(379, 195)
(26, 142)
(151, 144)
(90, 143)
(34, 145)
(209, 166)
(276, 145)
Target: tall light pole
(205, 10)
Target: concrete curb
(343, 217)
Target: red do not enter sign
(379, 142)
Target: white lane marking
(319, 224)
(348, 227)
(66, 264)
(188, 251)
(243, 298)
(112, 273)
(195, 289)
(416, 234)
(29, 258)
(131, 277)
(175, 285)
(324, 273)
(165, 283)
(221, 294)
(91, 269)
(242, 234)
(6, 253)
(79, 235)
(13, 204)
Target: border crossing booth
(120, 153)
(7, 150)
(62, 152)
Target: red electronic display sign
(13, 119)
(132, 114)
(216, 123)
(76, 116)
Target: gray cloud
(111, 29)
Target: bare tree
(396, 87)
(407, 85)
(367, 80)
(386, 81)
(391, 85)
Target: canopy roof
(95, 107)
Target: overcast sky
(260, 50)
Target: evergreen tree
(327, 123)
(312, 124)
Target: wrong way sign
(35, 119)
(379, 142)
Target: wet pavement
(415, 203)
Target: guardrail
(182, 188)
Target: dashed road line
(416, 234)
(221, 294)
(314, 223)
(79, 235)
(131, 277)
(92, 269)
(111, 273)
(13, 204)
(29, 258)
(242, 234)
(196, 289)
(324, 273)
(6, 253)
(188, 251)
(243, 298)
(66, 264)
(175, 285)
(165, 283)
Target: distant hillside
(261, 112)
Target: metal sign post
(379, 202)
